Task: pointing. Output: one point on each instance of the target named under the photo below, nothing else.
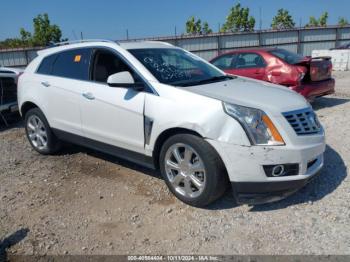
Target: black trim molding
(122, 153)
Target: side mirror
(124, 79)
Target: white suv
(163, 107)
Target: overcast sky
(111, 19)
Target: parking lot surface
(85, 202)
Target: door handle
(46, 84)
(89, 96)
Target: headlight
(258, 126)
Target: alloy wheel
(37, 132)
(185, 170)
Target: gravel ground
(84, 202)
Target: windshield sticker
(167, 72)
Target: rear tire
(192, 170)
(39, 133)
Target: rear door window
(45, 67)
(73, 64)
(249, 60)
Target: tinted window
(73, 64)
(249, 60)
(225, 61)
(46, 65)
(287, 56)
(175, 66)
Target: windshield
(177, 67)
(287, 56)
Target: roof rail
(143, 40)
(83, 41)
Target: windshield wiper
(208, 80)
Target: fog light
(281, 170)
(277, 170)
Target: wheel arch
(164, 136)
(26, 106)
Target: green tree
(198, 26)
(238, 20)
(191, 27)
(11, 43)
(313, 22)
(283, 20)
(206, 29)
(195, 26)
(322, 21)
(343, 21)
(44, 34)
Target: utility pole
(175, 32)
(127, 34)
(81, 36)
(260, 19)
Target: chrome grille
(304, 121)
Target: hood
(253, 93)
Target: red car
(310, 77)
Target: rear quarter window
(46, 65)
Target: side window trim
(56, 56)
(78, 52)
(149, 87)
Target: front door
(112, 115)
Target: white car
(163, 107)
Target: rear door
(112, 115)
(249, 64)
(63, 78)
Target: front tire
(39, 133)
(193, 170)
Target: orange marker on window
(77, 58)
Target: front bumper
(312, 90)
(254, 193)
(250, 183)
